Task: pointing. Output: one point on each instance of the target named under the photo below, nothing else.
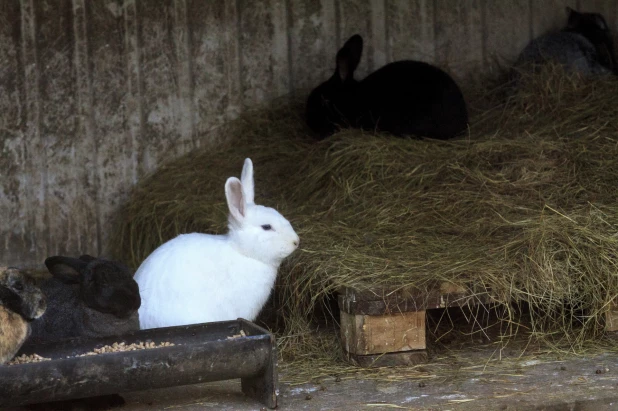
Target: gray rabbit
(585, 46)
(21, 301)
(89, 297)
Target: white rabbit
(196, 278)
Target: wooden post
(611, 317)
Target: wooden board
(611, 318)
(381, 301)
(392, 359)
(378, 334)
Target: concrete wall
(94, 94)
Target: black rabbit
(402, 98)
(89, 297)
(585, 45)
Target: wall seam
(241, 83)
(289, 22)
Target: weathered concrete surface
(97, 94)
(579, 384)
(572, 384)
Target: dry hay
(524, 205)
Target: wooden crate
(368, 339)
(387, 327)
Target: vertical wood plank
(549, 15)
(265, 71)
(379, 33)
(184, 69)
(308, 33)
(611, 317)
(281, 52)
(86, 196)
(411, 30)
(15, 213)
(36, 178)
(113, 108)
(507, 30)
(135, 87)
(161, 137)
(70, 154)
(330, 33)
(216, 64)
(459, 37)
(355, 18)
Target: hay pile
(525, 205)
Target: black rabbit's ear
(67, 270)
(349, 56)
(575, 18)
(600, 21)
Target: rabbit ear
(246, 180)
(349, 56)
(235, 199)
(574, 18)
(67, 270)
(600, 21)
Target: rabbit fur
(585, 46)
(90, 297)
(195, 278)
(402, 98)
(21, 301)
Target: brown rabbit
(21, 301)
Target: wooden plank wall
(97, 93)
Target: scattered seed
(242, 334)
(115, 347)
(119, 347)
(24, 359)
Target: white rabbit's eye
(267, 227)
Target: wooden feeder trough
(201, 353)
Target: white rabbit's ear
(235, 199)
(246, 179)
(349, 56)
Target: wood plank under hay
(384, 340)
(611, 317)
(391, 321)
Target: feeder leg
(264, 387)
